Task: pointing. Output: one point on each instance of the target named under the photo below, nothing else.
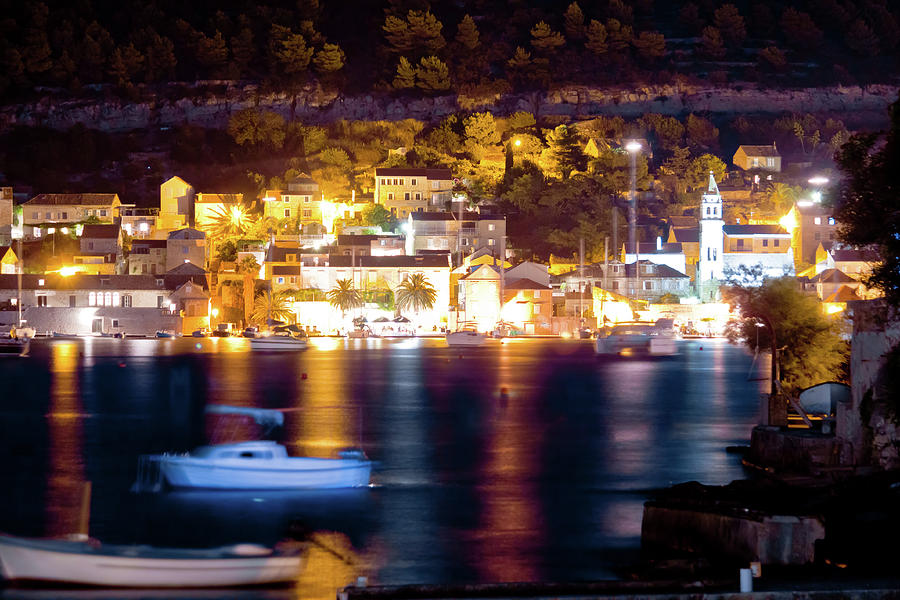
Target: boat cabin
(261, 449)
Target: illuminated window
(107, 299)
(491, 227)
(92, 299)
(817, 220)
(279, 280)
(115, 299)
(491, 241)
(831, 220)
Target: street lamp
(633, 147)
(818, 182)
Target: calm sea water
(522, 461)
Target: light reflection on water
(526, 460)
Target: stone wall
(211, 103)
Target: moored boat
(253, 465)
(639, 338)
(166, 333)
(278, 343)
(86, 561)
(465, 338)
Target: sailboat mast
(20, 261)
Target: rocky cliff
(209, 104)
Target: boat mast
(21, 259)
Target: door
(97, 325)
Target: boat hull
(277, 344)
(465, 338)
(79, 563)
(278, 474)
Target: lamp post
(633, 147)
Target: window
(71, 301)
(537, 294)
(418, 195)
(648, 285)
(35, 215)
(307, 213)
(159, 301)
(765, 243)
(434, 185)
(287, 213)
(406, 196)
(279, 280)
(90, 245)
(115, 322)
(615, 285)
(401, 181)
(707, 210)
(777, 243)
(293, 279)
(817, 236)
(65, 215)
(412, 181)
(115, 299)
(92, 299)
(817, 220)
(42, 300)
(383, 181)
(390, 196)
(491, 227)
(770, 162)
(306, 199)
(491, 241)
(831, 220)
(290, 257)
(102, 212)
(47, 215)
(464, 241)
(740, 243)
(107, 299)
(126, 300)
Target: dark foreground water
(522, 461)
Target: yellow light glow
(789, 221)
(68, 271)
(832, 308)
(215, 313)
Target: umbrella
(292, 328)
(381, 320)
(401, 319)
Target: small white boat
(278, 343)
(15, 347)
(465, 337)
(639, 338)
(253, 465)
(84, 561)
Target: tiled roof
(109, 232)
(428, 173)
(687, 236)
(833, 276)
(682, 222)
(74, 199)
(850, 255)
(768, 150)
(411, 262)
(738, 230)
(843, 294)
(187, 234)
(524, 284)
(662, 271)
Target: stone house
(70, 208)
(446, 231)
(749, 157)
(101, 249)
(9, 262)
(147, 257)
(403, 191)
(186, 246)
(176, 198)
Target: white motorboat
(639, 338)
(84, 561)
(278, 343)
(465, 337)
(253, 465)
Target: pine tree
(730, 24)
(406, 75)
(294, 55)
(243, 50)
(329, 58)
(544, 39)
(596, 38)
(650, 45)
(565, 150)
(432, 75)
(711, 43)
(574, 22)
(467, 34)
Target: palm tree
(250, 268)
(782, 196)
(416, 293)
(344, 296)
(273, 305)
(228, 221)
